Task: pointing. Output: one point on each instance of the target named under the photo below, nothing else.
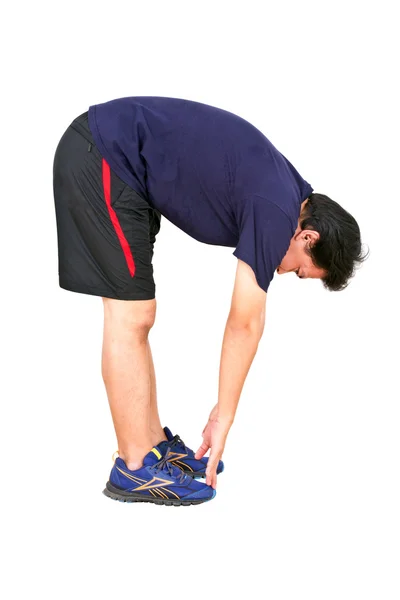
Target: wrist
(224, 418)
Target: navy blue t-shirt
(208, 171)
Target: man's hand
(214, 437)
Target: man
(117, 169)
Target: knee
(135, 316)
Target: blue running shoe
(157, 481)
(181, 456)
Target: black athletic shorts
(106, 231)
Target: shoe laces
(177, 441)
(166, 467)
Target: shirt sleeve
(265, 232)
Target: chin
(281, 269)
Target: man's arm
(243, 331)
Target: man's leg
(155, 423)
(126, 375)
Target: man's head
(326, 244)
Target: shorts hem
(94, 291)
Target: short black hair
(338, 250)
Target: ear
(310, 236)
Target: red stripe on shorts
(114, 219)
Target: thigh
(106, 231)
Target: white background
(308, 506)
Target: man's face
(297, 260)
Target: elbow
(249, 328)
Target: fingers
(202, 450)
(211, 471)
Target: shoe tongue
(168, 433)
(153, 457)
